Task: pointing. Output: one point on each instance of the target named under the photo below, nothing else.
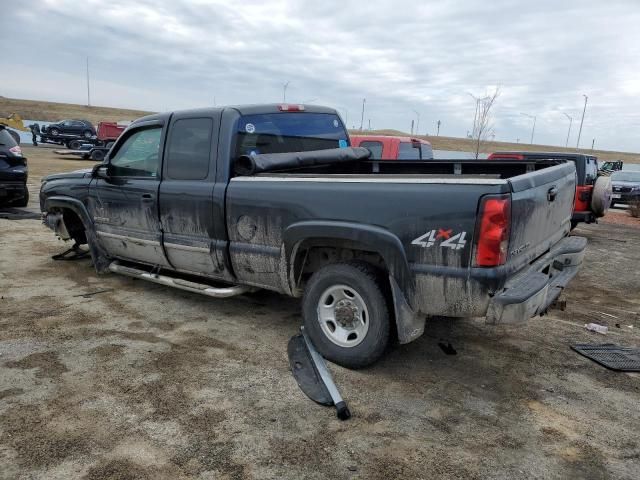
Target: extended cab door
(187, 208)
(124, 206)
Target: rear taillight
(16, 150)
(492, 231)
(584, 192)
(285, 107)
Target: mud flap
(311, 373)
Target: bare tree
(483, 126)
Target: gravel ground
(142, 381)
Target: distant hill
(52, 111)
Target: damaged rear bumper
(532, 291)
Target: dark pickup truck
(220, 201)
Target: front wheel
(87, 134)
(346, 314)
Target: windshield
(626, 176)
(6, 139)
(289, 132)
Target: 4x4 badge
(448, 240)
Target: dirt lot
(142, 381)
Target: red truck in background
(108, 132)
(593, 191)
(393, 147)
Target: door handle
(147, 197)
(552, 193)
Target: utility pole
(364, 100)
(438, 132)
(475, 116)
(593, 142)
(581, 121)
(369, 124)
(88, 90)
(412, 128)
(566, 144)
(418, 122)
(284, 91)
(534, 124)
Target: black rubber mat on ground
(11, 213)
(614, 357)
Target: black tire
(97, 155)
(87, 134)
(574, 224)
(75, 144)
(24, 201)
(54, 131)
(601, 196)
(363, 280)
(612, 204)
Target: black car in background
(626, 187)
(13, 172)
(71, 127)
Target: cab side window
(189, 149)
(139, 155)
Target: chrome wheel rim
(343, 316)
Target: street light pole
(566, 144)
(417, 122)
(534, 124)
(364, 100)
(284, 91)
(88, 90)
(581, 121)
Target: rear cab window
(374, 147)
(289, 132)
(411, 151)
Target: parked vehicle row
(593, 191)
(223, 200)
(13, 171)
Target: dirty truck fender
(369, 238)
(74, 204)
(99, 256)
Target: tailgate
(541, 208)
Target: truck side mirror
(100, 171)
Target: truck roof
(251, 109)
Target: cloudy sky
(401, 56)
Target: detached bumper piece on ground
(313, 377)
(614, 357)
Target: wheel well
(74, 226)
(314, 254)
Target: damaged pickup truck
(220, 201)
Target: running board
(216, 292)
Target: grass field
(51, 111)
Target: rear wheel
(75, 144)
(346, 314)
(601, 196)
(97, 155)
(55, 132)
